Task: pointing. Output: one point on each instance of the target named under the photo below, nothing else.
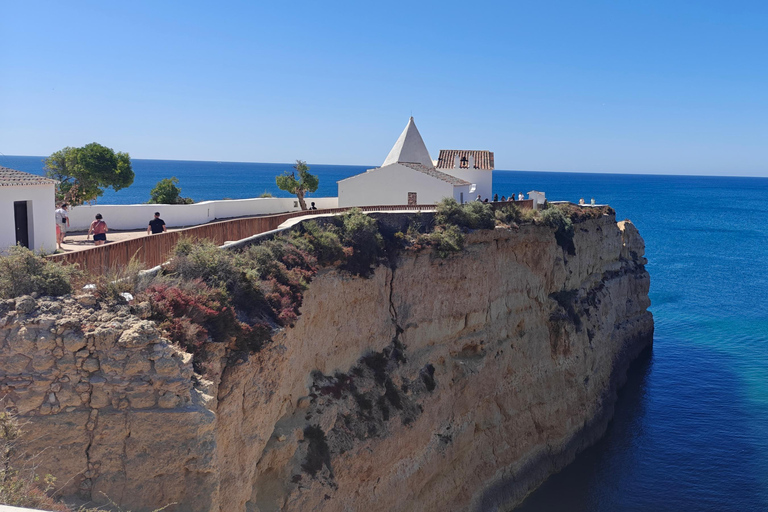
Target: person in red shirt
(99, 230)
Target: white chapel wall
(390, 185)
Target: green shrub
(361, 233)
(530, 215)
(22, 272)
(474, 215)
(563, 226)
(447, 239)
(324, 244)
(479, 215)
(449, 211)
(509, 214)
(202, 259)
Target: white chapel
(409, 176)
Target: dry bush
(22, 272)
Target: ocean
(690, 430)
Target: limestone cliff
(435, 384)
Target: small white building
(407, 176)
(27, 206)
(473, 166)
(539, 198)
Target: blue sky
(664, 87)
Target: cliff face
(437, 384)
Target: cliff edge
(455, 383)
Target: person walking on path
(62, 223)
(99, 230)
(156, 225)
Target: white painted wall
(42, 223)
(481, 178)
(137, 216)
(390, 185)
(539, 198)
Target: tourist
(520, 196)
(503, 199)
(313, 207)
(480, 199)
(99, 230)
(581, 201)
(156, 225)
(512, 196)
(495, 198)
(485, 200)
(62, 223)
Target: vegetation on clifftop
(239, 297)
(22, 272)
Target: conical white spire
(409, 148)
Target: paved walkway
(79, 240)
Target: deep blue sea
(691, 426)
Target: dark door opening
(22, 223)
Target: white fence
(137, 216)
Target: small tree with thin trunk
(305, 183)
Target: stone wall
(436, 384)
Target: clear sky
(668, 86)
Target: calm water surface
(691, 425)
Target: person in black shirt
(156, 225)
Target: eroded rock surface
(436, 384)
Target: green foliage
(509, 214)
(266, 194)
(530, 215)
(85, 172)
(166, 192)
(361, 233)
(447, 239)
(474, 215)
(305, 183)
(22, 272)
(563, 226)
(324, 244)
(224, 270)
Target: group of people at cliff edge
(98, 227)
(520, 197)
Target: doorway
(21, 217)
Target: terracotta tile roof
(483, 159)
(431, 171)
(12, 177)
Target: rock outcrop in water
(436, 384)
